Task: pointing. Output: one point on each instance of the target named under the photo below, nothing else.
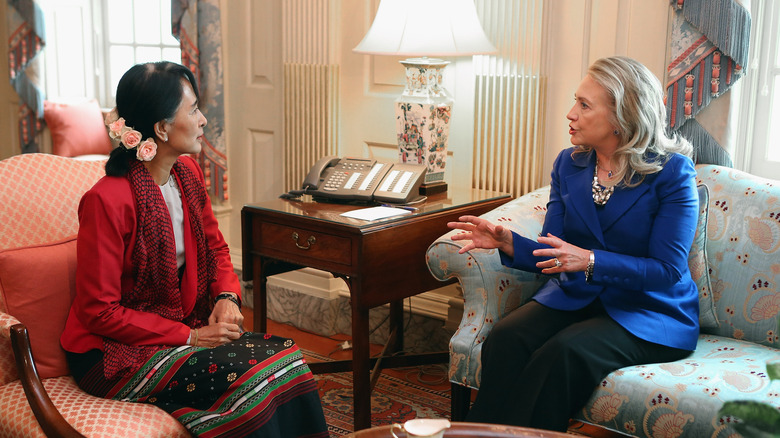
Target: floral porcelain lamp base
(422, 115)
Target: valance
(709, 44)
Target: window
(143, 37)
(91, 43)
(758, 148)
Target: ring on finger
(558, 263)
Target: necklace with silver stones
(600, 194)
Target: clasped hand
(224, 326)
(481, 234)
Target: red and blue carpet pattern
(394, 399)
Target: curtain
(26, 39)
(196, 24)
(709, 44)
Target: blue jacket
(640, 241)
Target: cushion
(38, 284)
(682, 398)
(76, 129)
(697, 263)
(743, 250)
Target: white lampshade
(425, 28)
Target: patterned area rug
(397, 400)
(393, 400)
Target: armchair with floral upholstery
(39, 196)
(735, 262)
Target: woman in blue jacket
(620, 221)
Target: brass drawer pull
(310, 241)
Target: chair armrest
(490, 290)
(8, 374)
(49, 418)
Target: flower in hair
(147, 150)
(129, 137)
(111, 117)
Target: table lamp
(419, 29)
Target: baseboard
(308, 281)
(312, 282)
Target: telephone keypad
(335, 181)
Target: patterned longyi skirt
(256, 386)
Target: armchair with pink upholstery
(39, 196)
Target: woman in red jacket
(157, 313)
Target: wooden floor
(430, 376)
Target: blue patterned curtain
(26, 39)
(709, 46)
(196, 24)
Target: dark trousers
(540, 365)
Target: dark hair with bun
(147, 94)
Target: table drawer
(301, 243)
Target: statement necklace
(600, 194)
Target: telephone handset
(362, 179)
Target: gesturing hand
(482, 234)
(569, 258)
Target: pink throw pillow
(38, 284)
(76, 129)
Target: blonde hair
(639, 114)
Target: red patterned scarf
(154, 258)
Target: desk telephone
(363, 179)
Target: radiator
(509, 92)
(310, 118)
(311, 87)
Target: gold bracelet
(195, 344)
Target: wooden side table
(381, 261)
(469, 430)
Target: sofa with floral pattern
(735, 261)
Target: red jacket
(107, 234)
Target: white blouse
(172, 195)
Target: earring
(616, 132)
(166, 137)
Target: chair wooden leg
(460, 402)
(50, 419)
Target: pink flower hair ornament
(129, 137)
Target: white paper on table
(374, 213)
